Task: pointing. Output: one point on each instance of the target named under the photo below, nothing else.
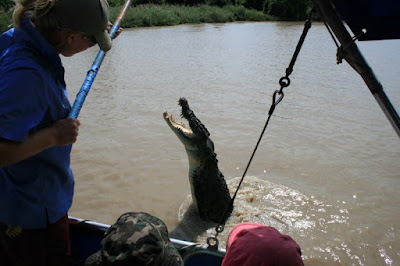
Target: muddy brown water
(327, 170)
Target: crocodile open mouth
(177, 125)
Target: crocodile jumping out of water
(210, 194)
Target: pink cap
(251, 244)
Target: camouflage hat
(136, 239)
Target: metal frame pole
(356, 60)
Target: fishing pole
(92, 73)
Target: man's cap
(87, 16)
(256, 244)
(136, 238)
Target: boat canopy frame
(350, 52)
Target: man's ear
(71, 36)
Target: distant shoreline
(148, 15)
(170, 15)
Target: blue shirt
(32, 97)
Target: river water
(327, 170)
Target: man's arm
(62, 132)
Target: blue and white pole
(92, 73)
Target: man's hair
(39, 9)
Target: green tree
(255, 4)
(195, 2)
(5, 5)
(287, 9)
(175, 2)
(219, 3)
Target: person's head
(251, 244)
(136, 238)
(71, 26)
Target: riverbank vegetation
(168, 15)
(174, 12)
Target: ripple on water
(291, 212)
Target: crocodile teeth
(178, 125)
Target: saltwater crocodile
(210, 194)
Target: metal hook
(212, 246)
(284, 82)
(277, 101)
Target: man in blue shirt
(36, 182)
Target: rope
(276, 99)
